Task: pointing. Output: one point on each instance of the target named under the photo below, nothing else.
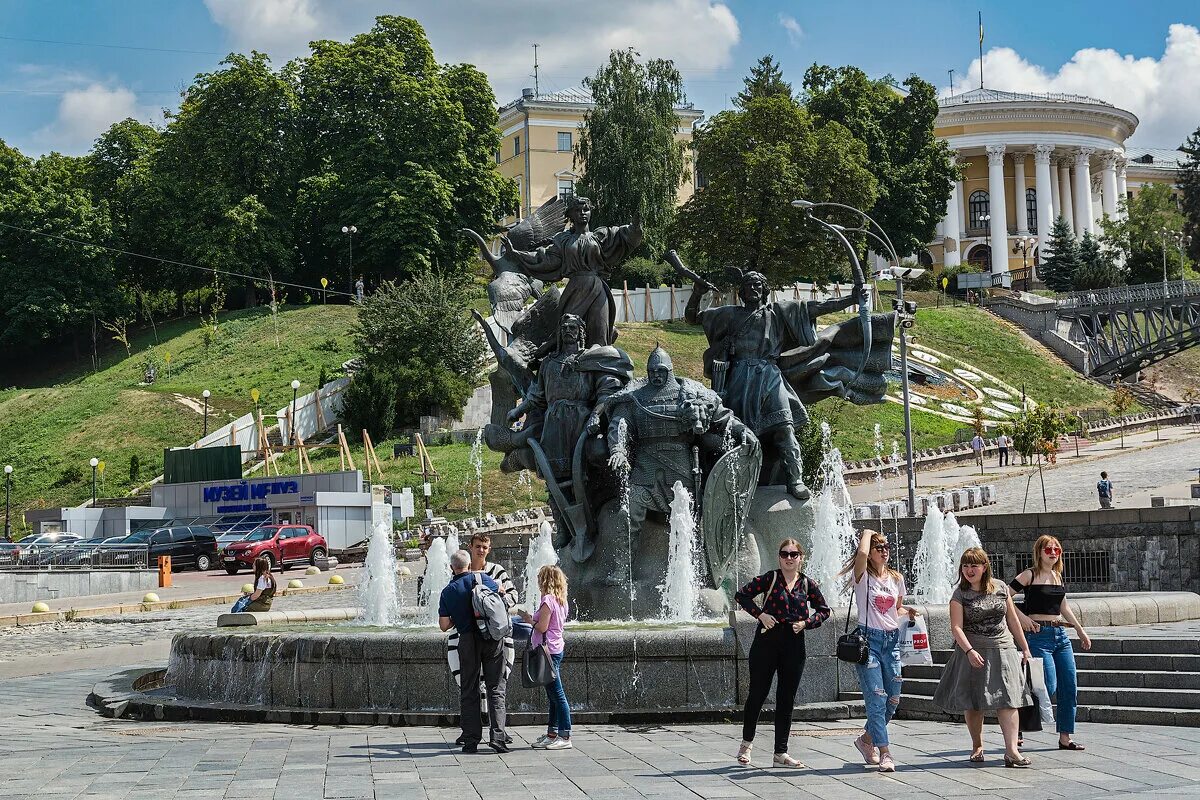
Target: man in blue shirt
(476, 655)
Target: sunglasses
(789, 554)
(882, 548)
(1052, 551)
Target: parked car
(10, 553)
(226, 539)
(284, 545)
(187, 545)
(31, 549)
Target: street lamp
(987, 232)
(95, 462)
(350, 230)
(7, 495)
(295, 388)
(1181, 242)
(206, 394)
(905, 316)
(1024, 246)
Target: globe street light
(206, 394)
(7, 493)
(95, 462)
(1024, 246)
(292, 436)
(987, 227)
(350, 230)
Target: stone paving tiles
(55, 747)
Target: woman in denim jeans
(548, 629)
(879, 595)
(1041, 615)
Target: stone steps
(1109, 696)
(1132, 679)
(916, 707)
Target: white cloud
(574, 36)
(84, 113)
(794, 31)
(1163, 92)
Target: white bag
(1037, 680)
(914, 643)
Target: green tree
(631, 158)
(399, 146)
(765, 80)
(1097, 266)
(1138, 237)
(1060, 257)
(1189, 182)
(912, 168)
(1121, 402)
(755, 161)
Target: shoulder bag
(536, 667)
(767, 595)
(852, 647)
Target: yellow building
(538, 138)
(1028, 159)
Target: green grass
(49, 431)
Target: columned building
(1028, 159)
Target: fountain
(437, 575)
(378, 593)
(830, 550)
(935, 565)
(541, 554)
(475, 459)
(681, 585)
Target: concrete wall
(28, 587)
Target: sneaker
(886, 764)
(542, 741)
(869, 753)
(559, 743)
(498, 745)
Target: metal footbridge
(1127, 328)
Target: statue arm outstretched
(859, 296)
(618, 444)
(700, 287)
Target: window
(977, 208)
(980, 257)
(1031, 210)
(517, 145)
(925, 259)
(566, 188)
(564, 141)
(498, 159)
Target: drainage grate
(828, 732)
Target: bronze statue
(584, 257)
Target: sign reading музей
(247, 495)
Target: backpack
(491, 614)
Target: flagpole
(980, 49)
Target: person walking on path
(476, 656)
(792, 603)
(359, 289)
(879, 596)
(263, 592)
(985, 671)
(1104, 488)
(1041, 615)
(548, 629)
(977, 449)
(1003, 443)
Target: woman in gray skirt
(985, 672)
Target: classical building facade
(1028, 159)
(539, 133)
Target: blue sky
(1142, 56)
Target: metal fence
(75, 557)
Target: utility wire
(113, 46)
(213, 270)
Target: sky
(70, 68)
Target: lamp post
(1163, 233)
(7, 495)
(292, 435)
(350, 230)
(206, 394)
(987, 228)
(1024, 246)
(1181, 242)
(905, 315)
(95, 462)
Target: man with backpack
(472, 605)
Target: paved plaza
(56, 747)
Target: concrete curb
(70, 614)
(254, 618)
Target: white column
(1042, 184)
(1098, 201)
(1055, 195)
(1083, 191)
(1122, 185)
(952, 227)
(997, 208)
(1109, 178)
(1064, 188)
(961, 194)
(1019, 194)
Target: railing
(1120, 295)
(74, 557)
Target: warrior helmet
(659, 359)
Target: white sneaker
(540, 743)
(559, 743)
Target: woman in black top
(1041, 615)
(778, 644)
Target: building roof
(996, 96)
(1154, 157)
(572, 95)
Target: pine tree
(1097, 268)
(765, 80)
(1189, 182)
(1060, 257)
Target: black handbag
(536, 667)
(852, 647)
(1030, 716)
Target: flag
(981, 27)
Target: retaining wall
(28, 587)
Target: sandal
(1070, 746)
(785, 760)
(743, 754)
(1016, 762)
(976, 756)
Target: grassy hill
(49, 432)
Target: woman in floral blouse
(788, 595)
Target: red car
(285, 545)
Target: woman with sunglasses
(778, 648)
(1042, 614)
(879, 596)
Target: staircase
(1149, 397)
(1133, 681)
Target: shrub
(369, 403)
(427, 389)
(639, 272)
(135, 468)
(71, 475)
